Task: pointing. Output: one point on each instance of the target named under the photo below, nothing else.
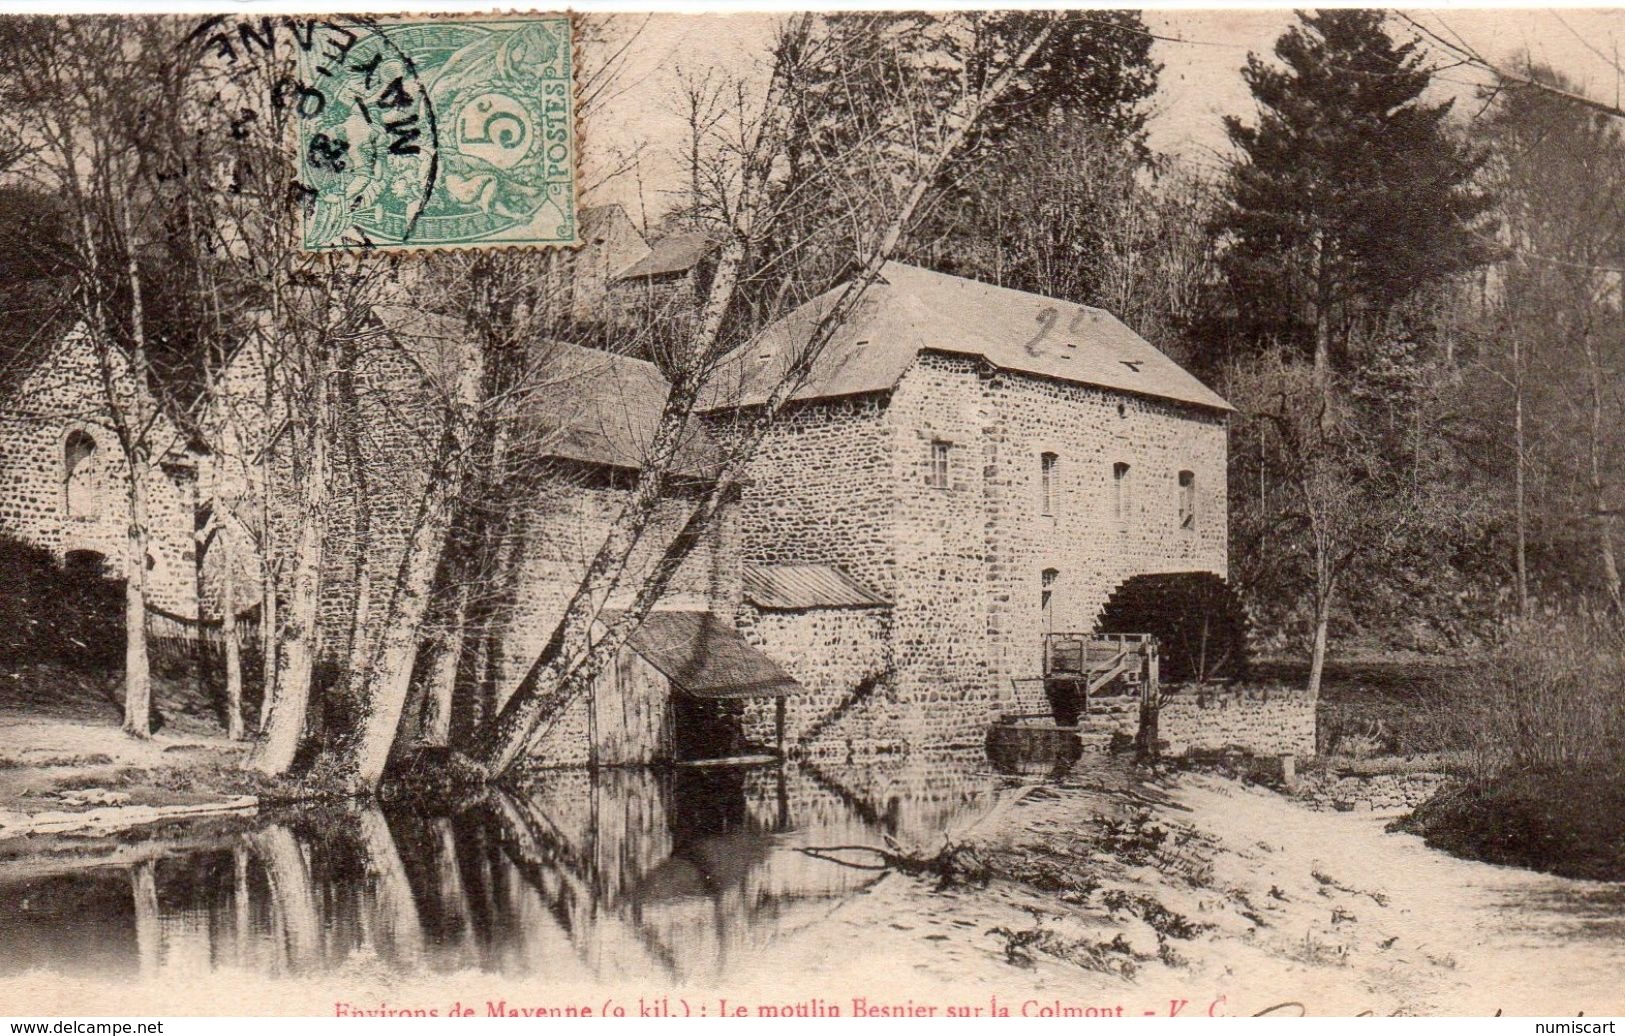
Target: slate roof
(910, 310)
(800, 587)
(584, 405)
(598, 407)
(674, 253)
(704, 656)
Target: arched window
(1187, 499)
(1046, 597)
(1047, 471)
(78, 462)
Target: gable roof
(801, 587)
(599, 407)
(599, 217)
(910, 310)
(674, 253)
(705, 656)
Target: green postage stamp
(441, 133)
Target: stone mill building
(965, 468)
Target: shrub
(1543, 719)
(51, 613)
(1550, 698)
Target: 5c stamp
(445, 133)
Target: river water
(621, 876)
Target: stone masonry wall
(841, 656)
(940, 643)
(1273, 721)
(963, 562)
(1090, 545)
(821, 491)
(1263, 721)
(43, 506)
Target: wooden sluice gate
(1088, 680)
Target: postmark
(442, 133)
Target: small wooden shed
(678, 694)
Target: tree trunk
(1317, 654)
(1597, 484)
(138, 453)
(441, 683)
(284, 723)
(347, 416)
(1323, 326)
(270, 613)
(228, 636)
(137, 671)
(1521, 507)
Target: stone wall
(1270, 721)
(842, 657)
(1262, 721)
(821, 491)
(1380, 793)
(945, 579)
(63, 397)
(1091, 541)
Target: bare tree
(1558, 170)
(1339, 496)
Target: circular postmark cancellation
(438, 133)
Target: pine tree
(1350, 194)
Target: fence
(179, 641)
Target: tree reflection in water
(609, 877)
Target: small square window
(936, 472)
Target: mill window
(78, 454)
(1046, 477)
(1046, 597)
(1121, 497)
(936, 472)
(1187, 499)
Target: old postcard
(1068, 513)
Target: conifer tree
(1350, 193)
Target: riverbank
(1211, 894)
(1566, 823)
(1104, 892)
(63, 775)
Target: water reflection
(622, 875)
